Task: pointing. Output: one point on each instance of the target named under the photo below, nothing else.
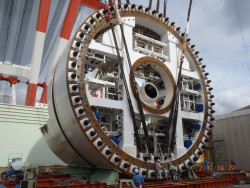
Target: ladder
(159, 150)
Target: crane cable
(132, 113)
(184, 47)
(134, 85)
(174, 107)
(165, 8)
(242, 37)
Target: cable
(174, 108)
(243, 37)
(134, 86)
(131, 108)
(150, 4)
(158, 6)
(165, 8)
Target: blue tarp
(188, 143)
(199, 107)
(197, 86)
(115, 140)
(97, 115)
(197, 126)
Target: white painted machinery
(115, 100)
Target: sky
(219, 29)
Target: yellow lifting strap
(184, 45)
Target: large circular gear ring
(90, 124)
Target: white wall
(20, 136)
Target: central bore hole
(150, 91)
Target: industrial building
(231, 139)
